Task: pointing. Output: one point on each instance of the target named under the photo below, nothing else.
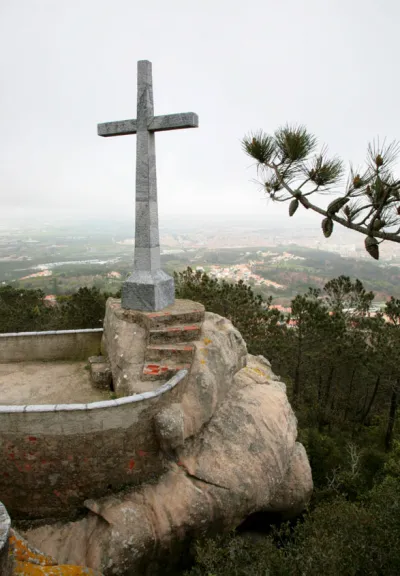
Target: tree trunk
(368, 410)
(392, 416)
(364, 402)
(346, 411)
(296, 383)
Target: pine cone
(327, 227)
(372, 247)
(293, 206)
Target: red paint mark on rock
(11, 456)
(32, 438)
(142, 453)
(44, 462)
(57, 493)
(190, 328)
(131, 464)
(28, 467)
(151, 370)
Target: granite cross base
(148, 291)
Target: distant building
(283, 309)
(50, 300)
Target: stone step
(180, 333)
(181, 312)
(183, 352)
(162, 371)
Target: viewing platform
(60, 382)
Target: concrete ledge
(13, 409)
(51, 332)
(50, 345)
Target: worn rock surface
(291, 496)
(232, 450)
(220, 353)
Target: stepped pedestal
(145, 349)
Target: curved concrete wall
(5, 526)
(49, 466)
(47, 346)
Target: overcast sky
(240, 65)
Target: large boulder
(231, 446)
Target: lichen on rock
(28, 561)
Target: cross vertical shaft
(147, 243)
(148, 287)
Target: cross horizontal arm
(173, 122)
(117, 128)
(156, 124)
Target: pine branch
(372, 197)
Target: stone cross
(148, 287)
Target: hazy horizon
(67, 66)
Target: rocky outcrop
(230, 445)
(200, 457)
